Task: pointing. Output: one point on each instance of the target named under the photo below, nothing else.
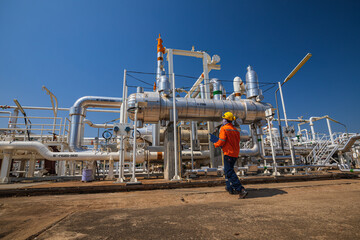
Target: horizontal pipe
(349, 143)
(141, 156)
(153, 107)
(95, 125)
(60, 109)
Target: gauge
(107, 135)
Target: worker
(229, 140)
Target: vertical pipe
(133, 178)
(313, 131)
(111, 169)
(192, 145)
(171, 66)
(287, 125)
(31, 169)
(300, 134)
(275, 173)
(283, 105)
(122, 121)
(155, 134)
(202, 91)
(5, 167)
(125, 121)
(217, 92)
(330, 132)
(279, 122)
(176, 177)
(207, 96)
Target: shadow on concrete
(264, 192)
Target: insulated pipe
(255, 150)
(216, 86)
(56, 156)
(155, 134)
(312, 120)
(133, 178)
(349, 143)
(252, 85)
(78, 113)
(202, 91)
(94, 125)
(59, 109)
(45, 153)
(312, 127)
(154, 107)
(160, 66)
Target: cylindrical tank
(139, 89)
(217, 93)
(252, 84)
(164, 84)
(154, 107)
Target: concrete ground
(295, 210)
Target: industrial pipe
(78, 113)
(349, 143)
(154, 107)
(91, 155)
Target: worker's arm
(222, 138)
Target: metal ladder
(324, 150)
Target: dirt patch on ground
(302, 210)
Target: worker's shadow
(263, 192)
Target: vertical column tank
(252, 85)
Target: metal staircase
(324, 150)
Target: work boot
(243, 193)
(231, 191)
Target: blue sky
(80, 48)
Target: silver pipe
(57, 156)
(133, 178)
(216, 86)
(155, 107)
(174, 109)
(156, 134)
(349, 143)
(192, 129)
(202, 91)
(45, 153)
(60, 109)
(255, 150)
(252, 85)
(78, 113)
(97, 125)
